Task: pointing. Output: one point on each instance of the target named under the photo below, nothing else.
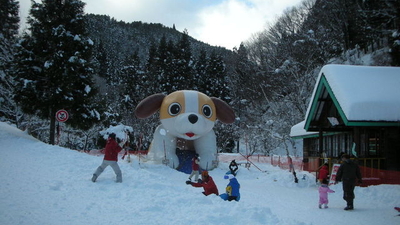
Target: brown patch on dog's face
(180, 102)
(206, 107)
(173, 105)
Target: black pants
(230, 198)
(348, 191)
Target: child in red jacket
(207, 183)
(195, 168)
(110, 158)
(323, 173)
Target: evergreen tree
(53, 68)
(102, 61)
(9, 18)
(8, 30)
(216, 82)
(130, 77)
(183, 69)
(200, 74)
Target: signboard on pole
(335, 168)
(62, 115)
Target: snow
(88, 89)
(299, 131)
(120, 131)
(365, 93)
(43, 184)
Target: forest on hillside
(99, 69)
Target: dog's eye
(174, 109)
(207, 111)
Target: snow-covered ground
(43, 184)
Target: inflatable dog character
(185, 114)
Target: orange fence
(371, 176)
(275, 160)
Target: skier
(195, 168)
(110, 158)
(207, 183)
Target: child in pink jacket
(323, 194)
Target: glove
(199, 181)
(188, 182)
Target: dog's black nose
(193, 118)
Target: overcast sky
(224, 23)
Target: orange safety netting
(370, 176)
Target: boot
(119, 180)
(94, 178)
(349, 207)
(349, 204)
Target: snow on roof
(365, 93)
(299, 131)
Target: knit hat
(229, 176)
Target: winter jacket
(348, 171)
(323, 172)
(195, 164)
(111, 150)
(208, 185)
(323, 194)
(233, 187)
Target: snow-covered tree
(54, 68)
(8, 36)
(9, 19)
(183, 64)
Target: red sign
(62, 115)
(335, 168)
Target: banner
(335, 168)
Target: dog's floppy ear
(224, 112)
(149, 106)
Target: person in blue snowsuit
(232, 189)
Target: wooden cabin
(355, 110)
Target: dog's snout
(193, 118)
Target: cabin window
(374, 142)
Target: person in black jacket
(349, 173)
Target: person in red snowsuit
(323, 173)
(195, 168)
(110, 158)
(207, 183)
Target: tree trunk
(52, 125)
